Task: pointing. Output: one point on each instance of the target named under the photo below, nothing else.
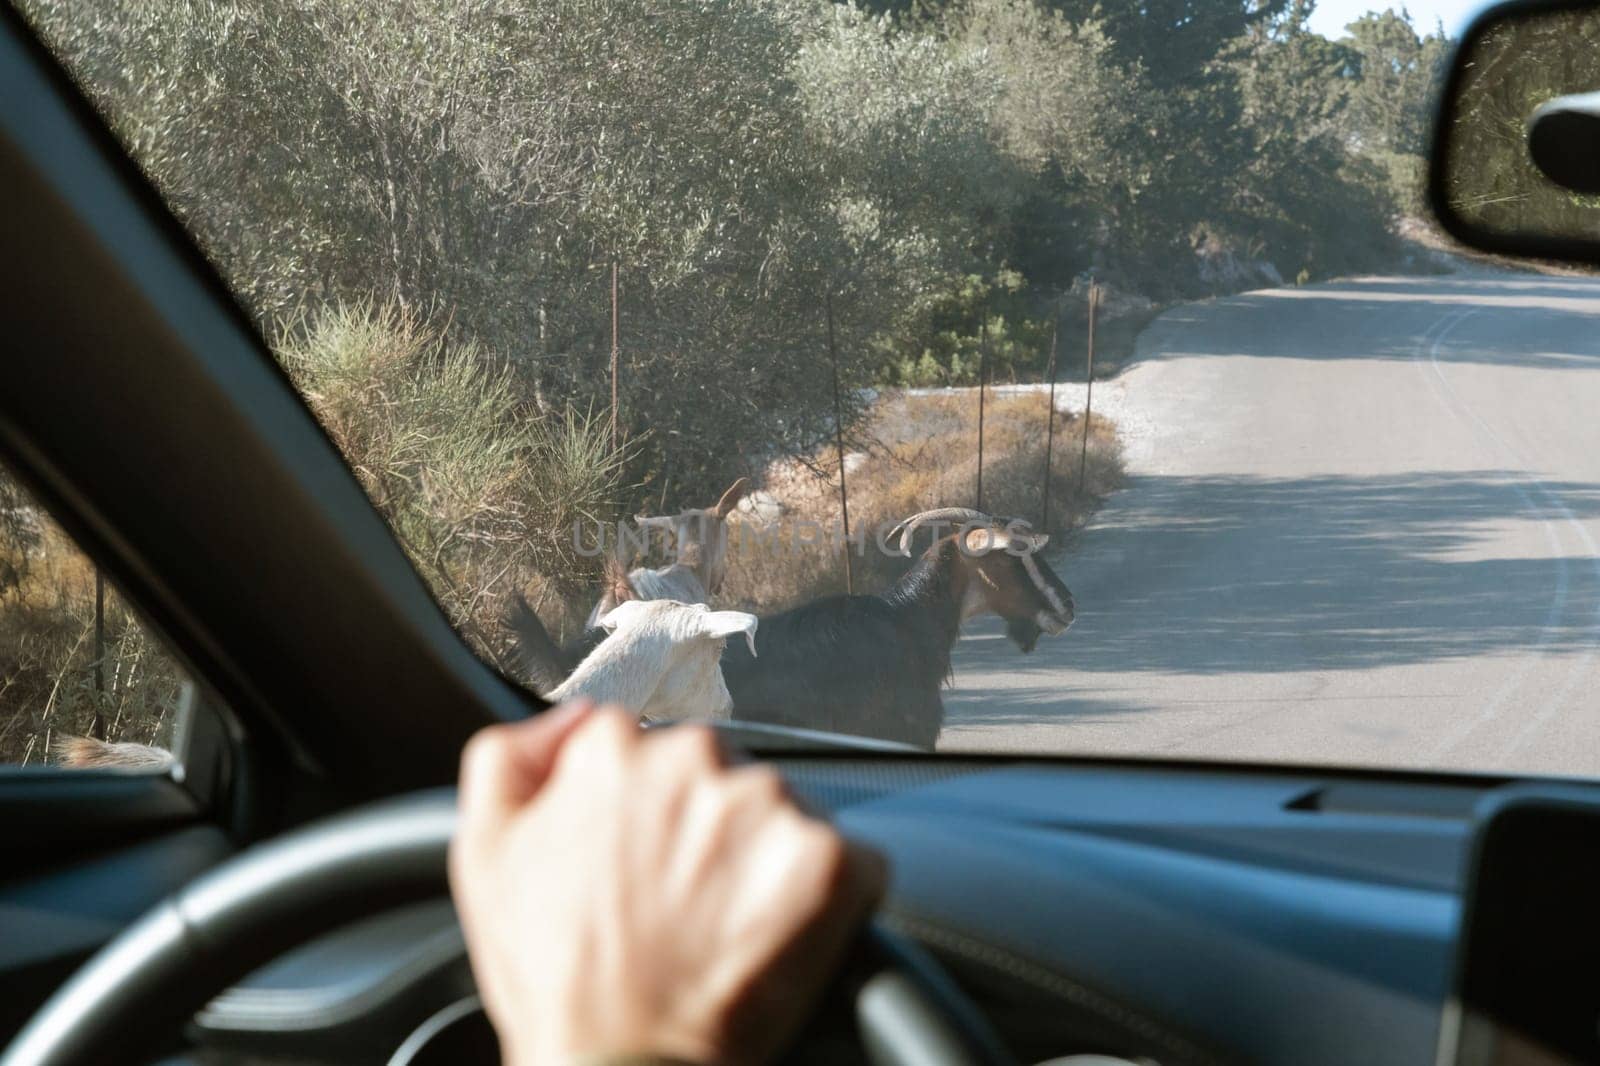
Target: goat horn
(908, 527)
(731, 498)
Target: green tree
(1394, 75)
(1395, 84)
(1174, 40)
(1301, 197)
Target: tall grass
(481, 488)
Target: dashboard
(1173, 915)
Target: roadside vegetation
(57, 676)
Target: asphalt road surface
(1361, 526)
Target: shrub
(480, 488)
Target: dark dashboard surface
(1182, 915)
(1262, 919)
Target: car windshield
(1033, 376)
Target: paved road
(1361, 526)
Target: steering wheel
(148, 981)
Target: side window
(83, 683)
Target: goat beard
(1024, 633)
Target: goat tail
(86, 753)
(537, 653)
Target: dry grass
(47, 646)
(920, 453)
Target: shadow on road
(1219, 575)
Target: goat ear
(727, 623)
(1039, 540)
(619, 614)
(649, 521)
(731, 498)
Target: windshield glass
(1102, 354)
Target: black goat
(545, 664)
(874, 665)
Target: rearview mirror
(1515, 166)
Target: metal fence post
(1050, 421)
(838, 442)
(1088, 388)
(615, 354)
(97, 727)
(983, 380)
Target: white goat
(662, 660)
(700, 547)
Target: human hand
(627, 893)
